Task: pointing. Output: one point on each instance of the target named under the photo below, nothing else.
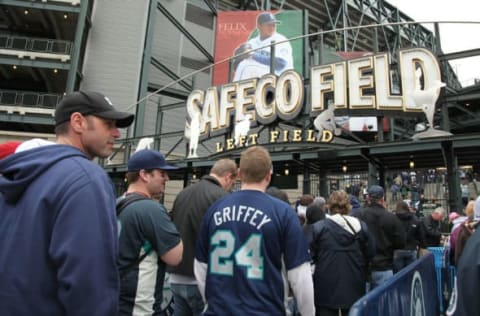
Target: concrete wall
(113, 57)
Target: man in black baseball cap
(73, 238)
(90, 103)
(88, 121)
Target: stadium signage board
(273, 98)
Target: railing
(29, 99)
(411, 291)
(41, 45)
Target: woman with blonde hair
(341, 249)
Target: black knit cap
(90, 103)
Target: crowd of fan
(66, 252)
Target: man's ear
(143, 175)
(77, 122)
(268, 177)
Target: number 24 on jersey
(249, 255)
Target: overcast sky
(454, 37)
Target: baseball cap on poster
(91, 103)
(267, 17)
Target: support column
(322, 183)
(145, 72)
(158, 125)
(306, 178)
(381, 177)
(454, 191)
(380, 137)
(372, 174)
(77, 45)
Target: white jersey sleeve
(200, 271)
(301, 282)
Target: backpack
(125, 200)
(121, 204)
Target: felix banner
(241, 31)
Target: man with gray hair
(320, 201)
(432, 227)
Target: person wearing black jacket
(341, 249)
(387, 231)
(414, 237)
(187, 212)
(431, 226)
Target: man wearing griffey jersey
(245, 239)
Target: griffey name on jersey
(241, 213)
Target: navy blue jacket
(341, 261)
(58, 235)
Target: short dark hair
(62, 128)
(306, 199)
(133, 176)
(402, 207)
(314, 214)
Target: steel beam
(184, 31)
(34, 63)
(41, 6)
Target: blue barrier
(439, 255)
(445, 275)
(412, 291)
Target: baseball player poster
(250, 34)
